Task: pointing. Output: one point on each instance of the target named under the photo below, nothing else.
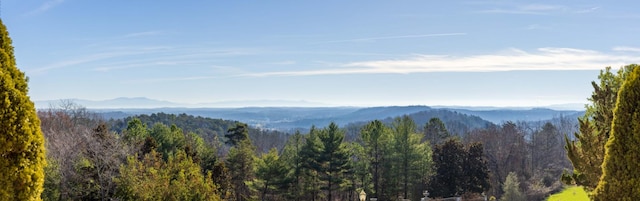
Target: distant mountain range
(301, 114)
(143, 102)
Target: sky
(340, 53)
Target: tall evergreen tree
(241, 163)
(435, 131)
(376, 137)
(270, 175)
(333, 159)
(291, 155)
(476, 170)
(586, 150)
(621, 177)
(449, 179)
(311, 164)
(21, 141)
(412, 158)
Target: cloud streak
(511, 60)
(48, 5)
(371, 39)
(540, 9)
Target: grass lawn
(575, 193)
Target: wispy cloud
(537, 27)
(142, 34)
(540, 9)
(121, 58)
(510, 60)
(587, 10)
(47, 5)
(372, 39)
(627, 49)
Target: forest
(91, 158)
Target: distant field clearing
(575, 193)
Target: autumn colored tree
(621, 177)
(21, 141)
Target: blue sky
(350, 53)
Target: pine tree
(621, 177)
(586, 151)
(21, 141)
(291, 155)
(435, 131)
(376, 137)
(270, 175)
(412, 158)
(241, 163)
(449, 179)
(333, 159)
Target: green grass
(575, 193)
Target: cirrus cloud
(509, 60)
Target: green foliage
(271, 178)
(586, 152)
(449, 179)
(168, 139)
(21, 141)
(136, 132)
(476, 172)
(435, 131)
(411, 159)
(333, 160)
(241, 163)
(376, 138)
(311, 164)
(620, 179)
(511, 189)
(153, 179)
(292, 158)
(458, 170)
(52, 180)
(237, 134)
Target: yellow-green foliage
(575, 193)
(621, 175)
(153, 179)
(22, 149)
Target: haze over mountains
(290, 115)
(143, 102)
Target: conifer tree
(21, 141)
(621, 176)
(586, 151)
(435, 131)
(333, 159)
(241, 162)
